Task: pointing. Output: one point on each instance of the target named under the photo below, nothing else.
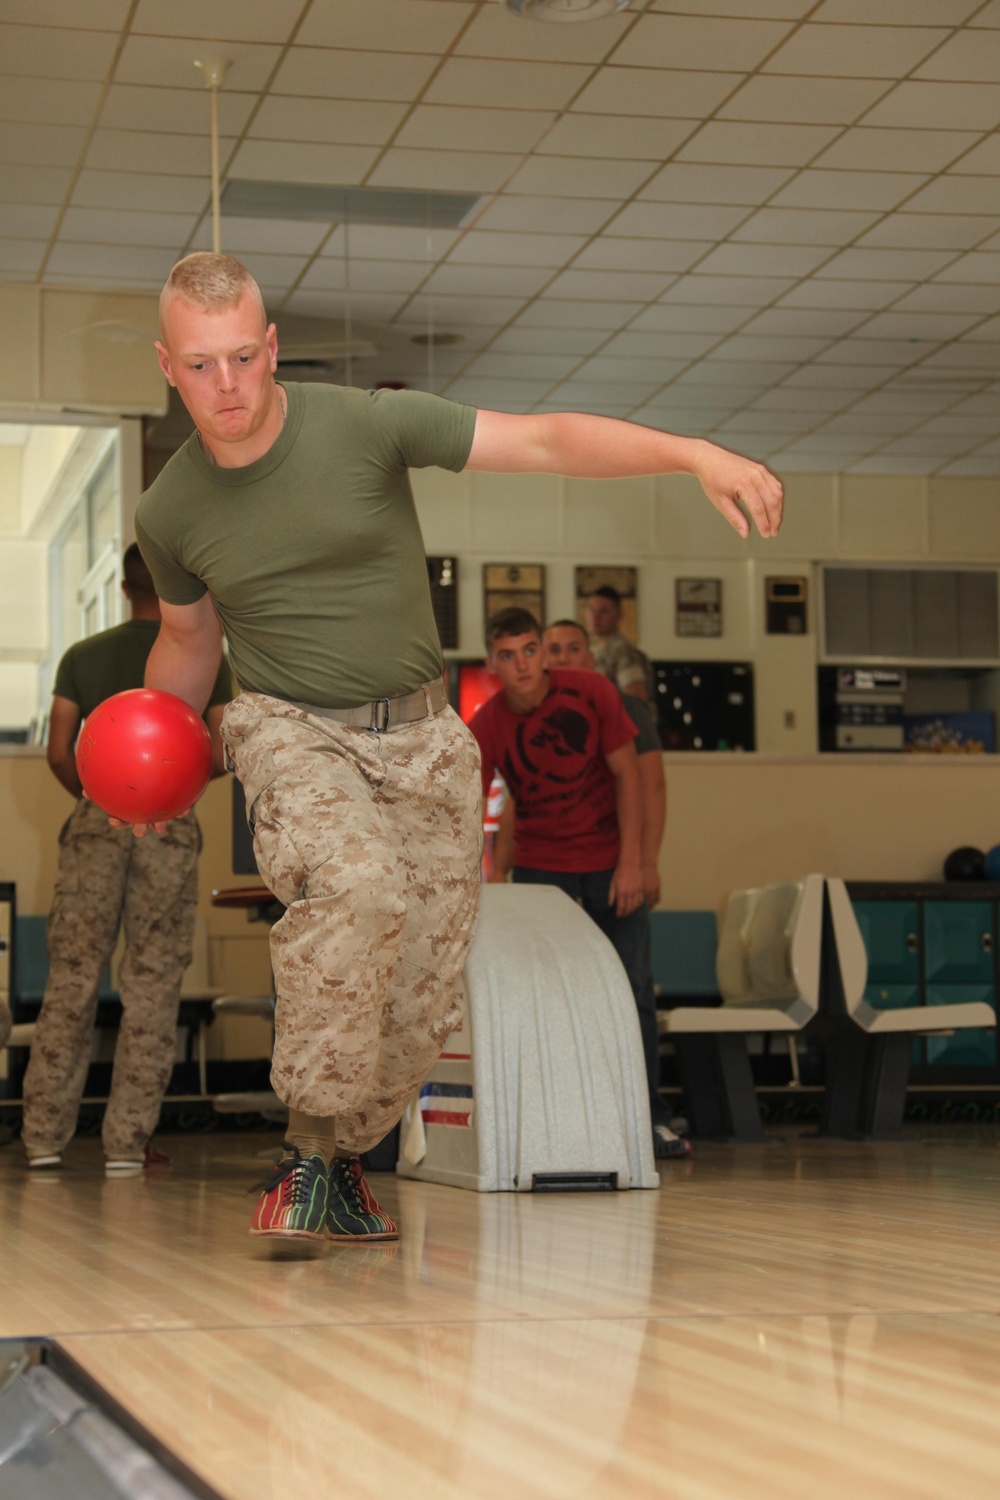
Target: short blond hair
(211, 281)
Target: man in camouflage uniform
(105, 877)
(288, 517)
(614, 655)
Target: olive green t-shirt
(313, 554)
(115, 660)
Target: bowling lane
(807, 1227)
(875, 1406)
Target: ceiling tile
(301, 161)
(897, 12)
(810, 101)
(984, 158)
(610, 254)
(699, 182)
(449, 126)
(54, 52)
(853, 294)
(500, 281)
(390, 242)
(802, 226)
(855, 51)
(896, 150)
(265, 236)
(575, 177)
(843, 189)
(506, 85)
(771, 10)
(953, 194)
(95, 15)
(591, 395)
(651, 372)
(763, 260)
(932, 231)
(989, 15)
(98, 225)
(547, 312)
(23, 256)
(794, 322)
(495, 32)
(315, 304)
(680, 318)
(173, 111)
(550, 367)
(988, 330)
(327, 274)
(952, 106)
(747, 378)
(862, 351)
(452, 311)
(141, 190)
(480, 247)
(34, 184)
(111, 260)
(963, 59)
(522, 340)
(609, 286)
(979, 266)
(655, 91)
(341, 121)
(377, 25)
(644, 345)
(470, 171)
(752, 346)
(676, 221)
(915, 325)
(251, 20)
(792, 398)
(497, 392)
(54, 101)
(667, 41)
(881, 265)
(762, 145)
(48, 145)
(29, 221)
(511, 211)
(327, 74)
(734, 291)
(640, 137)
(168, 62)
(938, 296)
(145, 151)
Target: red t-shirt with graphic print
(553, 760)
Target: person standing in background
(104, 878)
(614, 655)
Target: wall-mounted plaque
(698, 606)
(514, 584)
(625, 580)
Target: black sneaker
(666, 1144)
(353, 1212)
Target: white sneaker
(123, 1167)
(43, 1163)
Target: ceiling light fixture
(213, 70)
(564, 10)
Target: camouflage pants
(104, 876)
(372, 842)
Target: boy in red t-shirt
(563, 743)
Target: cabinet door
(959, 966)
(890, 932)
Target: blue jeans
(630, 938)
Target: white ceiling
(772, 221)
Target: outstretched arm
(588, 447)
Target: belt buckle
(380, 715)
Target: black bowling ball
(965, 864)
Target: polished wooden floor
(802, 1320)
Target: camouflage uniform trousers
(373, 843)
(105, 875)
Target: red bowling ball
(144, 756)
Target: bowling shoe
(292, 1203)
(353, 1212)
(666, 1144)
